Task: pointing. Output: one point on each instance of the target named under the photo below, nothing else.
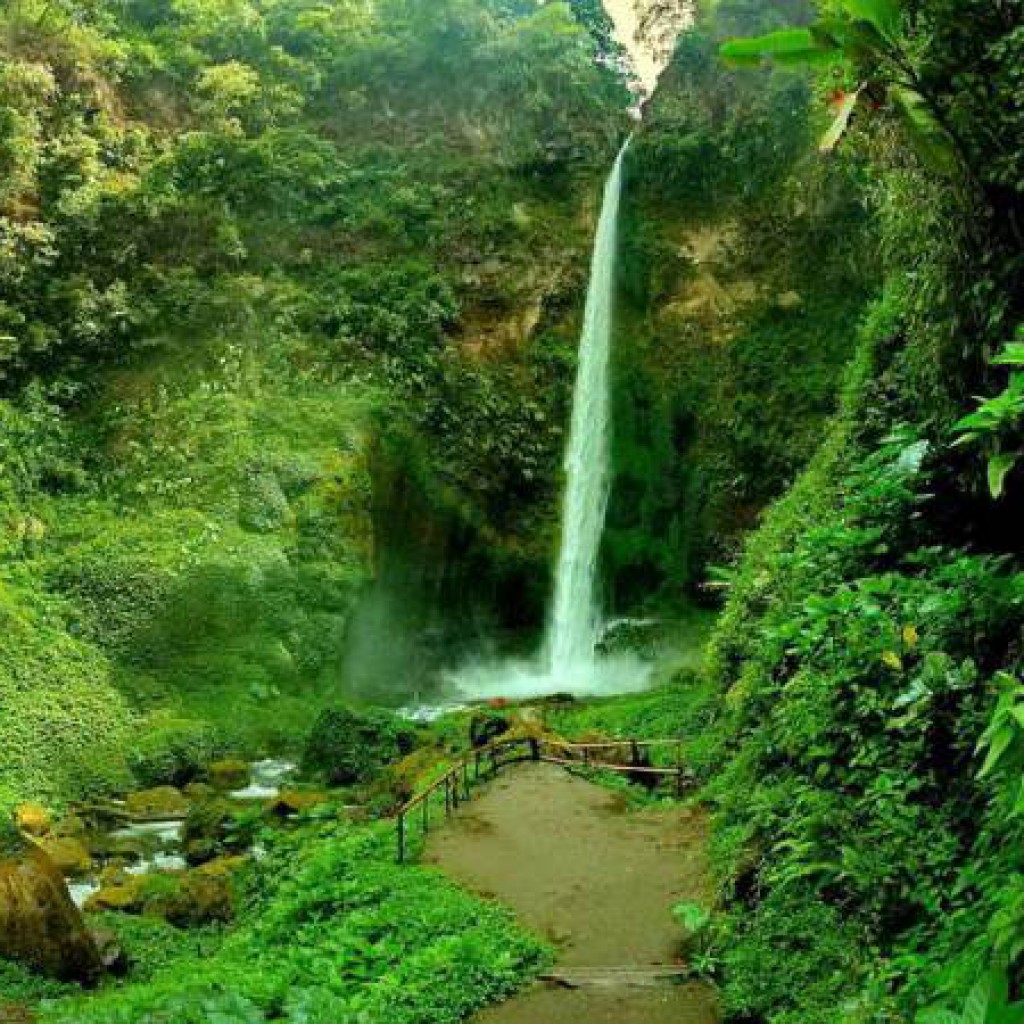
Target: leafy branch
(865, 39)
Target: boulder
(33, 819)
(102, 815)
(39, 924)
(71, 856)
(161, 803)
(226, 776)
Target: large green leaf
(1000, 742)
(787, 46)
(1012, 355)
(930, 140)
(979, 999)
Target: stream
(155, 846)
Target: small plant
(996, 423)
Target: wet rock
(71, 856)
(158, 804)
(226, 776)
(33, 819)
(39, 924)
(102, 815)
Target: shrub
(349, 746)
(168, 750)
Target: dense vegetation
(858, 725)
(289, 294)
(285, 307)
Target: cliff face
(743, 271)
(648, 30)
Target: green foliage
(987, 1003)
(865, 36)
(336, 933)
(995, 424)
(63, 726)
(172, 751)
(349, 746)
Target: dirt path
(597, 882)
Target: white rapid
(570, 661)
(575, 620)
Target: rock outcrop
(648, 29)
(39, 924)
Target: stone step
(630, 976)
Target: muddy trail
(597, 881)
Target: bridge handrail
(457, 783)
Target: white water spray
(569, 661)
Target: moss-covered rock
(161, 803)
(39, 924)
(214, 828)
(33, 819)
(229, 775)
(70, 855)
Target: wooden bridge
(456, 785)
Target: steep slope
(287, 296)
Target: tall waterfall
(569, 661)
(575, 621)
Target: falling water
(575, 622)
(569, 660)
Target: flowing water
(569, 660)
(575, 622)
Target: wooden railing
(456, 785)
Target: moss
(63, 726)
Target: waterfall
(575, 620)
(569, 661)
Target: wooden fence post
(401, 838)
(534, 749)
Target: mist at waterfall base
(569, 661)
